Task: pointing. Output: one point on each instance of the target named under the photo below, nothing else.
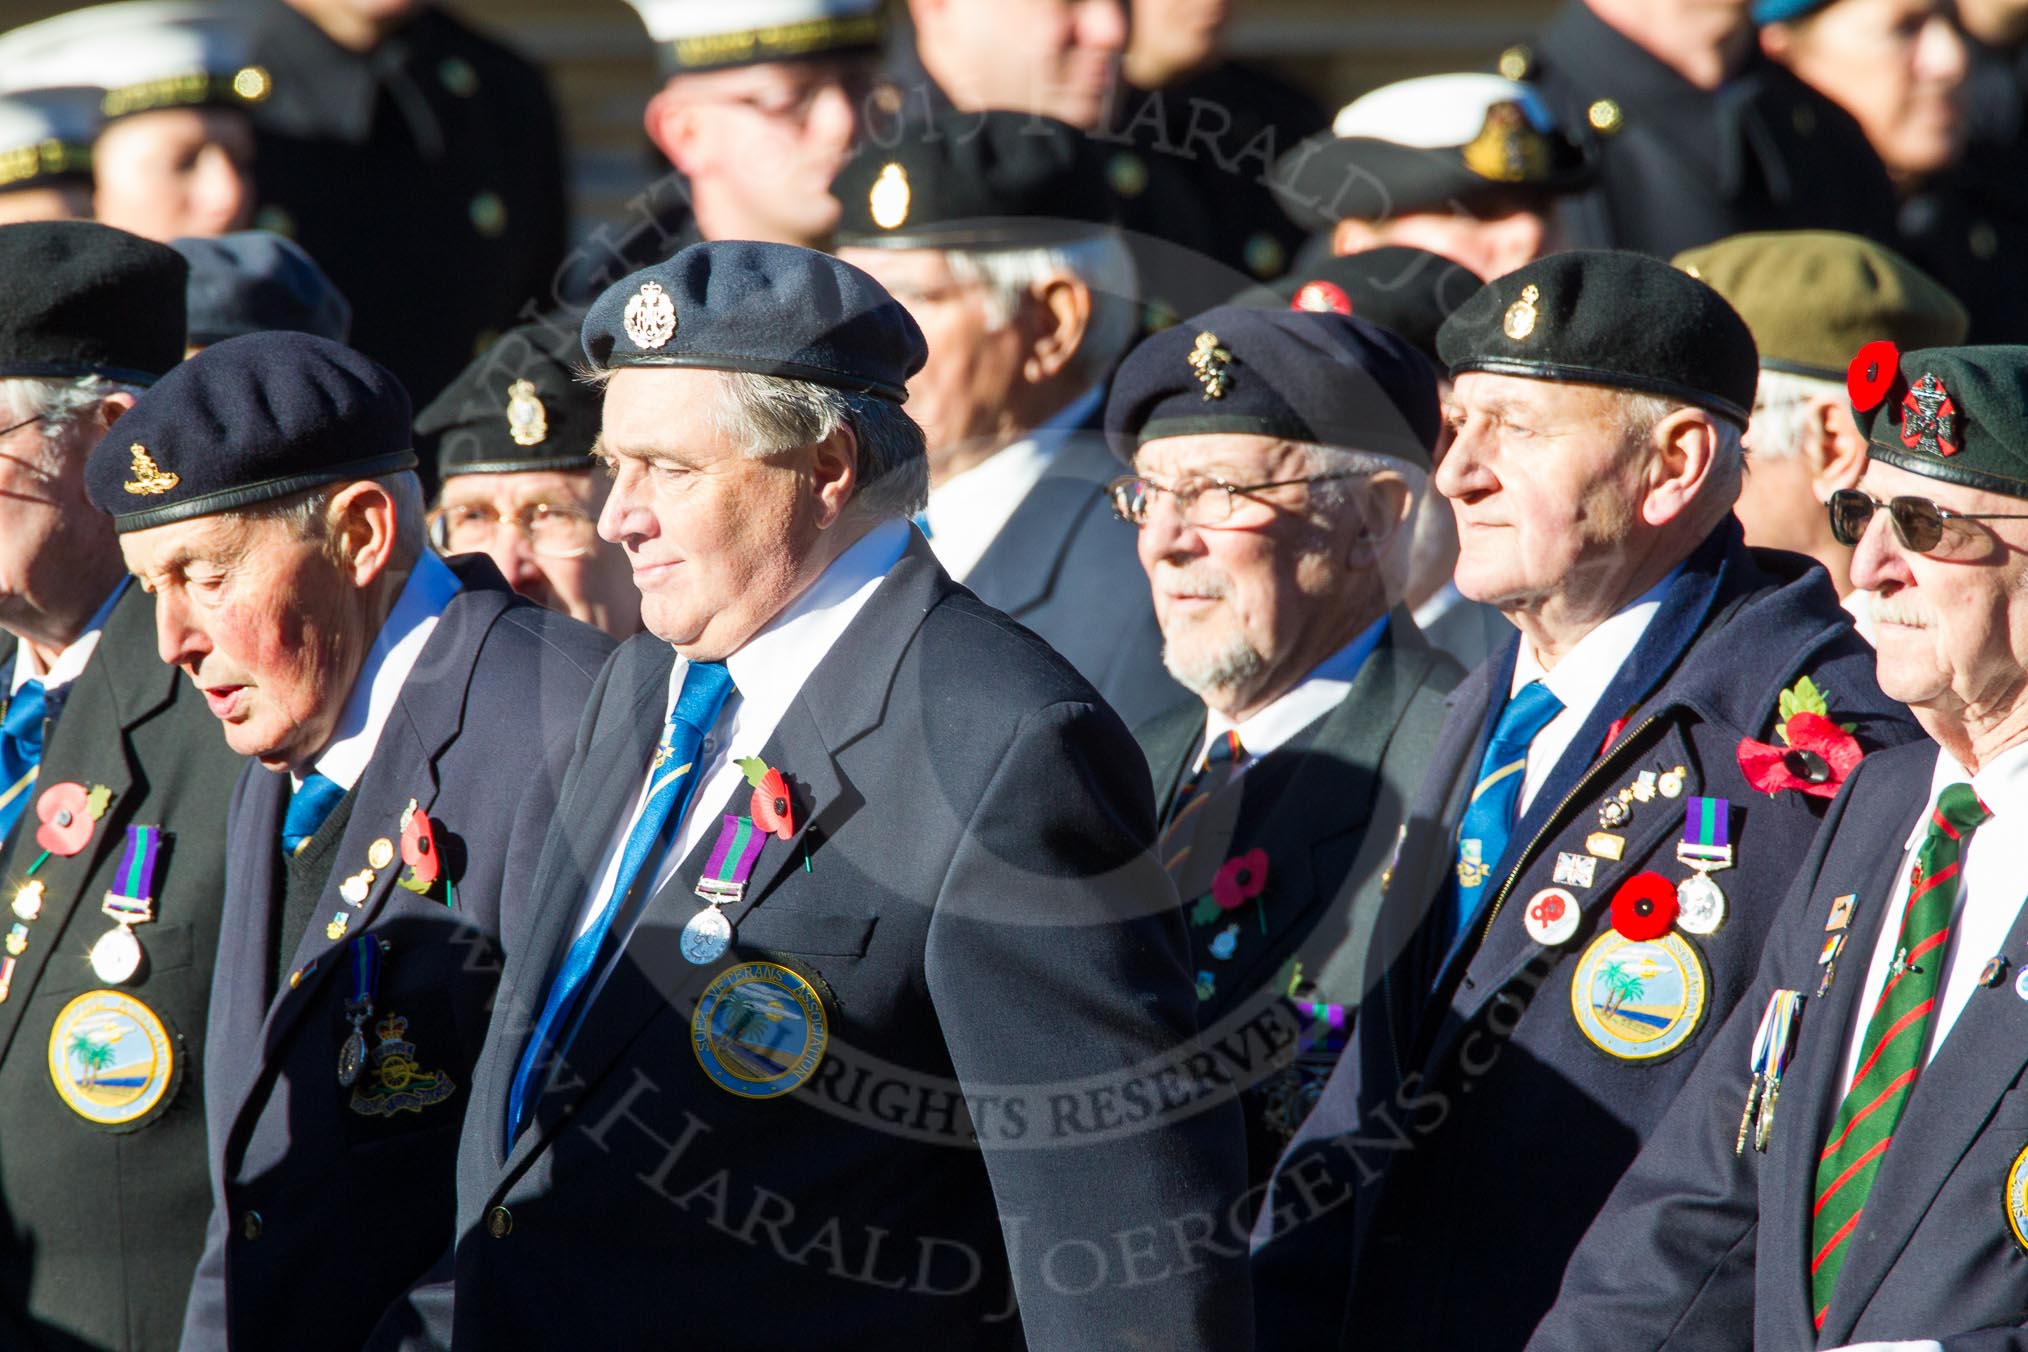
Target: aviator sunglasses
(1918, 521)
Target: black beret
(1325, 378)
(772, 309)
(1959, 414)
(520, 406)
(1411, 291)
(253, 419)
(86, 299)
(974, 180)
(254, 281)
(1602, 317)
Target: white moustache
(1197, 580)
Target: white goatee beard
(1232, 663)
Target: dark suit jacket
(321, 1214)
(102, 1228)
(1476, 1100)
(1066, 567)
(1327, 807)
(1701, 1248)
(1001, 965)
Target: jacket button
(499, 1222)
(250, 1225)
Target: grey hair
(308, 514)
(1781, 411)
(1638, 414)
(771, 415)
(1102, 262)
(60, 401)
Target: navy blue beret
(86, 299)
(519, 406)
(1294, 374)
(772, 309)
(250, 420)
(254, 281)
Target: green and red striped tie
(1895, 1038)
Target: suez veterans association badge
(2016, 1198)
(1639, 999)
(759, 1030)
(113, 1060)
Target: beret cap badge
(1929, 418)
(650, 319)
(888, 199)
(1507, 149)
(149, 479)
(527, 419)
(1520, 318)
(1211, 363)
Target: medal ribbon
(1706, 830)
(365, 972)
(732, 859)
(131, 898)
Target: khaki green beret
(1812, 297)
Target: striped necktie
(20, 750)
(1896, 1036)
(1496, 799)
(1222, 760)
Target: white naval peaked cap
(693, 35)
(142, 54)
(46, 134)
(1436, 111)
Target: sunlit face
(175, 172)
(1542, 484)
(1491, 246)
(1060, 58)
(1178, 35)
(46, 521)
(718, 540)
(1897, 66)
(554, 557)
(1950, 626)
(56, 202)
(262, 620)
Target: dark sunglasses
(1918, 521)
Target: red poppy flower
(770, 807)
(419, 849)
(1644, 907)
(1240, 880)
(65, 813)
(1818, 757)
(1322, 298)
(1872, 374)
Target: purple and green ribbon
(732, 859)
(1706, 830)
(131, 897)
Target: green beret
(1812, 296)
(1603, 317)
(1959, 414)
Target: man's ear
(1685, 453)
(1059, 310)
(362, 522)
(1383, 505)
(671, 123)
(1837, 452)
(834, 474)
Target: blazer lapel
(1170, 744)
(239, 1008)
(1019, 569)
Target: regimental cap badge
(1520, 320)
(1507, 149)
(149, 480)
(1211, 364)
(252, 83)
(889, 198)
(527, 419)
(650, 319)
(1929, 420)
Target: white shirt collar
(1323, 690)
(2002, 786)
(1447, 598)
(71, 661)
(393, 655)
(966, 513)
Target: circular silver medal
(352, 1058)
(1701, 906)
(707, 935)
(116, 956)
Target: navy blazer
(1002, 971)
(323, 1214)
(1475, 1098)
(1706, 1249)
(1066, 567)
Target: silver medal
(116, 956)
(1701, 906)
(352, 1058)
(706, 936)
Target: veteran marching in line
(1016, 717)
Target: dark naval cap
(519, 407)
(1958, 414)
(1603, 317)
(1410, 291)
(86, 299)
(251, 420)
(254, 281)
(975, 180)
(771, 309)
(1332, 379)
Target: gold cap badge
(651, 317)
(1520, 320)
(148, 481)
(889, 199)
(1507, 149)
(1605, 117)
(527, 419)
(1209, 363)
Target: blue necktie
(308, 807)
(20, 751)
(705, 687)
(922, 524)
(1489, 817)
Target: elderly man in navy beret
(851, 993)
(411, 721)
(1618, 802)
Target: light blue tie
(705, 686)
(309, 805)
(1489, 817)
(922, 524)
(20, 751)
